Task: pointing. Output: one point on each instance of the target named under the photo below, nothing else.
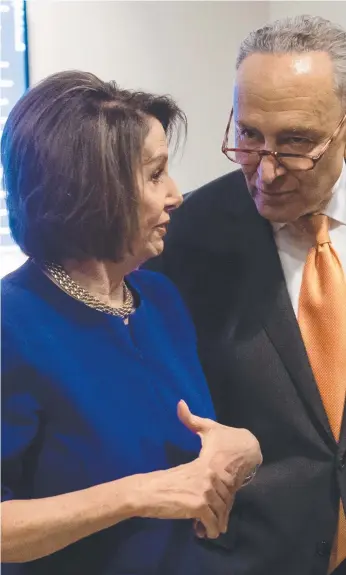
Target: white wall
(330, 9)
(186, 49)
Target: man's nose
(269, 169)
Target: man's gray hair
(301, 34)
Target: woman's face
(158, 194)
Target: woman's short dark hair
(70, 150)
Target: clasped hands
(228, 459)
(204, 489)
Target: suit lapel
(283, 331)
(273, 306)
(342, 443)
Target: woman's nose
(174, 198)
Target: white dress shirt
(293, 244)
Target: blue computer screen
(13, 83)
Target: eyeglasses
(296, 162)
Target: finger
(228, 509)
(221, 502)
(234, 476)
(210, 522)
(224, 485)
(227, 497)
(194, 423)
(221, 487)
(241, 476)
(199, 528)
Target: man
(251, 254)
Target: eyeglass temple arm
(227, 130)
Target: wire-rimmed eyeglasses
(296, 162)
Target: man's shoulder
(211, 213)
(211, 220)
(228, 191)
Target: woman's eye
(157, 175)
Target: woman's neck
(104, 280)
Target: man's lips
(273, 194)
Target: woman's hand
(237, 451)
(190, 491)
(203, 489)
(233, 450)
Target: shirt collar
(336, 208)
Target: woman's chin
(156, 247)
(152, 249)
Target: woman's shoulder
(19, 285)
(15, 285)
(17, 279)
(21, 300)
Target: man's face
(288, 103)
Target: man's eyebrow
(302, 131)
(156, 159)
(289, 131)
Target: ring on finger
(251, 476)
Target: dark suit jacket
(222, 256)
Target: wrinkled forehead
(287, 87)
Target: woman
(97, 355)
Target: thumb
(199, 425)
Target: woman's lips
(162, 228)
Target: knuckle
(209, 495)
(211, 476)
(247, 434)
(209, 480)
(202, 503)
(251, 439)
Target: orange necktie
(322, 320)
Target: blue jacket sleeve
(19, 421)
